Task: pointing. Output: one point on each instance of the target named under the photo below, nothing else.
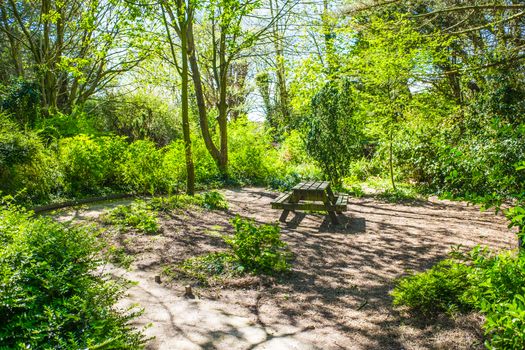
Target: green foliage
(176, 201)
(436, 290)
(258, 249)
(24, 163)
(89, 164)
(137, 117)
(119, 257)
(254, 249)
(250, 151)
(16, 147)
(492, 284)
(20, 99)
(209, 266)
(85, 165)
(475, 165)
(63, 125)
(141, 168)
(52, 296)
(138, 215)
(214, 200)
(333, 122)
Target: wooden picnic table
(311, 195)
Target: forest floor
(335, 297)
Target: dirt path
(336, 297)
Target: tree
(391, 59)
(180, 14)
(227, 41)
(334, 131)
(72, 49)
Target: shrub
(90, 164)
(439, 289)
(137, 215)
(491, 284)
(214, 200)
(138, 116)
(62, 125)
(52, 296)
(254, 249)
(141, 168)
(334, 129)
(258, 249)
(21, 100)
(250, 148)
(25, 164)
(176, 201)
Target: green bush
(141, 168)
(334, 129)
(250, 150)
(52, 295)
(138, 116)
(176, 201)
(25, 164)
(439, 289)
(254, 249)
(491, 284)
(214, 200)
(137, 215)
(63, 125)
(90, 164)
(258, 249)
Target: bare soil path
(337, 295)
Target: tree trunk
(283, 103)
(219, 156)
(391, 163)
(190, 169)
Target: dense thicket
(53, 294)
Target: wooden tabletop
(312, 186)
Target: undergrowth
(138, 215)
(493, 284)
(52, 295)
(255, 249)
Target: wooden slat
(298, 186)
(309, 206)
(342, 199)
(323, 185)
(277, 203)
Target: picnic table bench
(312, 195)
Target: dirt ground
(337, 294)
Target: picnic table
(311, 195)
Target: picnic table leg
(333, 217)
(332, 198)
(284, 215)
(327, 202)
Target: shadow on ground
(337, 294)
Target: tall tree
(73, 48)
(228, 41)
(180, 15)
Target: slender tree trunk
(181, 24)
(190, 169)
(219, 156)
(391, 162)
(223, 107)
(283, 103)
